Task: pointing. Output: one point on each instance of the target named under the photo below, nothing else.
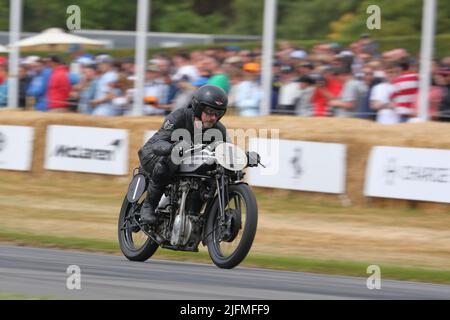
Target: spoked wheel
(134, 243)
(230, 238)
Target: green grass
(8, 296)
(253, 260)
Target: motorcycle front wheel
(230, 238)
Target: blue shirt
(38, 89)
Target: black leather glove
(162, 148)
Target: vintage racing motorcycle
(226, 223)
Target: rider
(207, 107)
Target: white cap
(30, 60)
(345, 53)
(298, 54)
(104, 58)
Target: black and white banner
(299, 165)
(408, 173)
(87, 149)
(16, 147)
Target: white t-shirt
(382, 92)
(289, 92)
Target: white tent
(55, 39)
(3, 49)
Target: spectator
(218, 77)
(3, 75)
(102, 103)
(328, 87)
(444, 106)
(248, 92)
(4, 85)
(59, 87)
(306, 68)
(406, 87)
(303, 105)
(276, 85)
(367, 45)
(156, 91)
(24, 82)
(381, 96)
(185, 91)
(75, 54)
(128, 67)
(184, 67)
(364, 110)
(118, 93)
(87, 88)
(435, 94)
(164, 64)
(39, 83)
(285, 50)
(289, 90)
(352, 94)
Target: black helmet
(209, 96)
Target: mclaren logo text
(77, 152)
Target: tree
(179, 16)
(247, 17)
(306, 19)
(397, 18)
(296, 19)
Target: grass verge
(253, 260)
(8, 296)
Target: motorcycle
(209, 178)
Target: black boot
(148, 214)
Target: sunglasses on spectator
(210, 112)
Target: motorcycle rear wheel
(135, 246)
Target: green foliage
(296, 19)
(180, 16)
(248, 17)
(306, 19)
(397, 18)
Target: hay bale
(359, 136)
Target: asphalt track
(42, 272)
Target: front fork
(223, 197)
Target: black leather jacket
(162, 141)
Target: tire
(248, 229)
(132, 253)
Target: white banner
(87, 149)
(16, 147)
(299, 165)
(408, 173)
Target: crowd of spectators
(327, 81)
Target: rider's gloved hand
(162, 148)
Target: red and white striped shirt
(406, 87)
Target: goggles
(210, 112)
